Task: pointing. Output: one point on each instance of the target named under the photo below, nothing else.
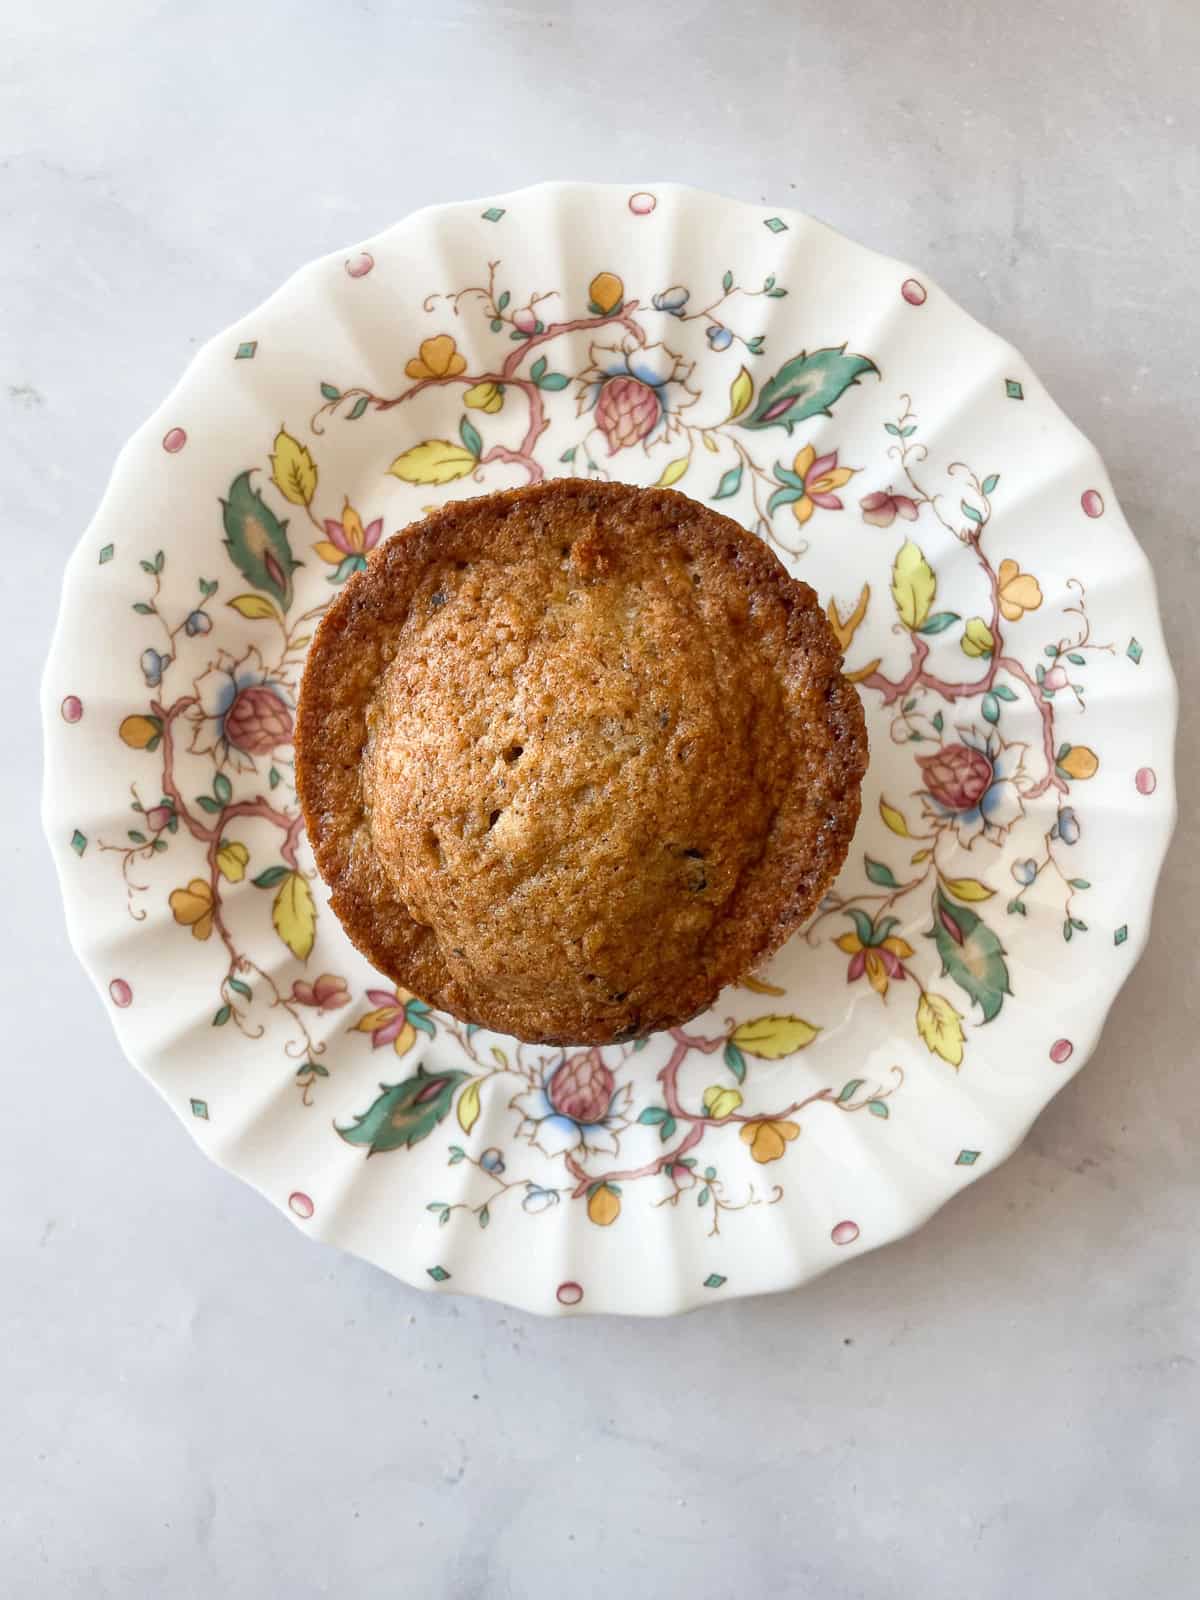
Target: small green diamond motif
(1122, 933)
(106, 554)
(776, 225)
(966, 1158)
(245, 352)
(1134, 651)
(493, 213)
(1013, 389)
(438, 1274)
(200, 1109)
(713, 1281)
(78, 842)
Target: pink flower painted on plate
(575, 1105)
(973, 785)
(582, 1087)
(242, 712)
(883, 507)
(326, 993)
(635, 391)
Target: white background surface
(195, 1400)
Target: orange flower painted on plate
(880, 962)
(1019, 591)
(348, 537)
(769, 1140)
(819, 477)
(193, 907)
(396, 1020)
(438, 358)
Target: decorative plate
(995, 611)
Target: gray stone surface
(198, 1402)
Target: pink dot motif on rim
(642, 204)
(845, 1232)
(913, 291)
(71, 709)
(1092, 502)
(569, 1294)
(358, 266)
(1061, 1050)
(174, 440)
(120, 993)
(1146, 780)
(300, 1204)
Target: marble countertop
(199, 1402)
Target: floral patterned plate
(995, 612)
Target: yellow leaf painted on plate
(760, 986)
(913, 585)
(968, 889)
(433, 461)
(468, 1106)
(940, 1026)
(254, 607)
(499, 1057)
(293, 470)
(673, 471)
(921, 855)
(978, 639)
(295, 916)
(772, 1037)
(893, 818)
(232, 857)
(710, 443)
(721, 1102)
(741, 392)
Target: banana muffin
(573, 757)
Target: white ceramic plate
(994, 608)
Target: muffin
(574, 757)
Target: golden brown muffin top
(574, 757)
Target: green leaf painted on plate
(808, 385)
(971, 954)
(257, 541)
(405, 1113)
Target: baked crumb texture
(574, 757)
